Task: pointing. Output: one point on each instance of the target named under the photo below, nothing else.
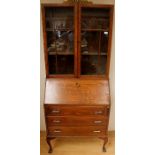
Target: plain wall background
(112, 69)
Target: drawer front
(59, 131)
(75, 110)
(76, 120)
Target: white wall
(112, 71)
(42, 80)
(112, 81)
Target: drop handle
(98, 112)
(57, 131)
(56, 121)
(97, 122)
(96, 131)
(55, 111)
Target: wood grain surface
(77, 91)
(76, 121)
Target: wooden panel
(58, 131)
(77, 91)
(75, 110)
(76, 121)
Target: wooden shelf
(71, 53)
(95, 16)
(60, 18)
(65, 29)
(94, 54)
(95, 30)
(61, 53)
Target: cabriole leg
(48, 139)
(105, 142)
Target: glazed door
(60, 40)
(94, 30)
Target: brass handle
(56, 111)
(57, 131)
(97, 122)
(56, 121)
(96, 131)
(98, 112)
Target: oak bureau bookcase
(77, 46)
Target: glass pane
(60, 40)
(52, 64)
(93, 65)
(65, 64)
(94, 41)
(94, 18)
(88, 42)
(104, 42)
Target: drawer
(76, 120)
(59, 131)
(75, 110)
